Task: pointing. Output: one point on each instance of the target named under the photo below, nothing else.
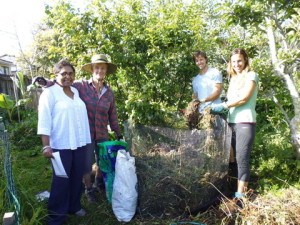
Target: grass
(32, 174)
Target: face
(201, 62)
(238, 63)
(99, 71)
(65, 77)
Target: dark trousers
(66, 192)
(242, 141)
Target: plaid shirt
(101, 110)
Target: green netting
(12, 198)
(178, 170)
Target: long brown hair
(235, 51)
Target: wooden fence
(7, 87)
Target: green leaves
(6, 102)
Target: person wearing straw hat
(101, 108)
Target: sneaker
(81, 212)
(90, 196)
(99, 185)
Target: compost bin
(178, 170)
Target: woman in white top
(242, 94)
(64, 128)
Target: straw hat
(100, 58)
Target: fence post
(9, 218)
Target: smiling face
(238, 63)
(65, 76)
(99, 71)
(201, 62)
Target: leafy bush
(24, 134)
(273, 157)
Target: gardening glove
(219, 109)
(41, 81)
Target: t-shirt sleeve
(194, 86)
(253, 76)
(218, 78)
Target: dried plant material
(174, 167)
(192, 115)
(207, 120)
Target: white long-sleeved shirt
(64, 119)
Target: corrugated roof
(6, 62)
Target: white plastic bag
(124, 196)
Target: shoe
(81, 212)
(90, 196)
(99, 185)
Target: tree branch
(287, 118)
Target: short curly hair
(63, 62)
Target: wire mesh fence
(12, 202)
(178, 170)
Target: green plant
(9, 105)
(24, 134)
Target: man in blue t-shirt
(207, 85)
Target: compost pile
(177, 169)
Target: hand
(202, 101)
(120, 138)
(41, 81)
(48, 153)
(219, 108)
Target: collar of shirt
(104, 89)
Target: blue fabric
(108, 151)
(66, 193)
(239, 195)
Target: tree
(151, 42)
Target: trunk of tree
(294, 124)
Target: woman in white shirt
(64, 128)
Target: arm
(47, 150)
(113, 118)
(245, 97)
(45, 121)
(216, 93)
(41, 81)
(78, 84)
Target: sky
(18, 18)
